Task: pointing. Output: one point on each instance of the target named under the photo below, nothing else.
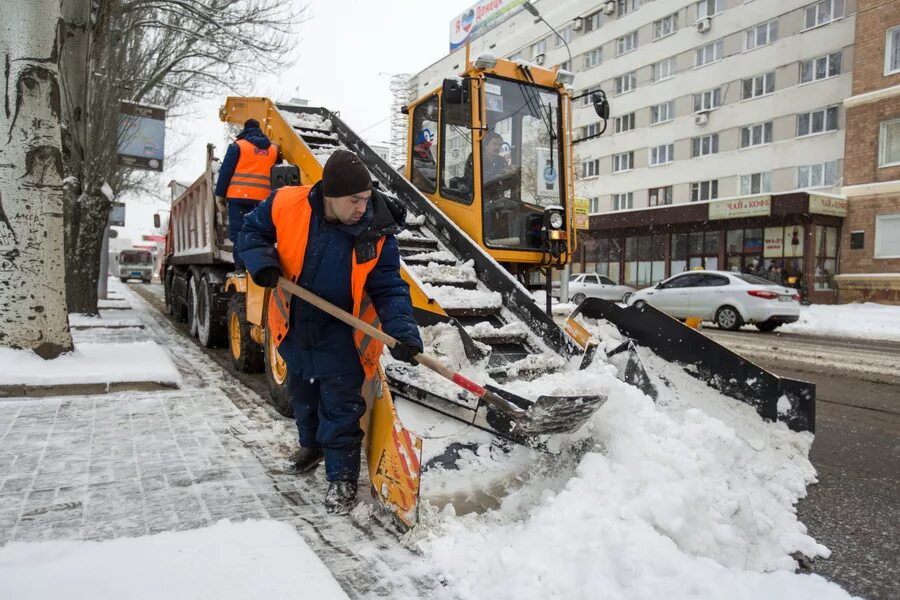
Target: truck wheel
(210, 331)
(246, 355)
(192, 306)
(277, 378)
(727, 317)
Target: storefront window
(631, 254)
(645, 259)
(658, 256)
(783, 255)
(679, 253)
(826, 257)
(744, 248)
(603, 257)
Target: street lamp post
(530, 8)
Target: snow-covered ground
(90, 363)
(689, 497)
(868, 320)
(253, 559)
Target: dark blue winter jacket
(255, 136)
(317, 344)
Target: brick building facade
(870, 238)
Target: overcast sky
(345, 56)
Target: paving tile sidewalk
(136, 463)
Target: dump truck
(472, 244)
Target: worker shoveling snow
(691, 496)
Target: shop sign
(827, 205)
(757, 206)
(582, 221)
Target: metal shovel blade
(547, 415)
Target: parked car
(728, 299)
(592, 285)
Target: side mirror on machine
(157, 222)
(601, 104)
(455, 91)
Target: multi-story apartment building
(870, 242)
(711, 100)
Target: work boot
(340, 497)
(305, 460)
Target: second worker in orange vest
(335, 239)
(244, 178)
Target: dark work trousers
(327, 411)
(237, 210)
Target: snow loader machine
(475, 239)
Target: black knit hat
(251, 123)
(344, 175)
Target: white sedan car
(728, 299)
(591, 285)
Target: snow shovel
(549, 414)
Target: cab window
(456, 155)
(423, 154)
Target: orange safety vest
(291, 214)
(251, 180)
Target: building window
(590, 168)
(626, 83)
(822, 12)
(821, 67)
(660, 155)
(539, 48)
(565, 65)
(624, 123)
(756, 135)
(592, 21)
(761, 85)
(623, 201)
(626, 6)
(592, 58)
(660, 196)
(594, 205)
(564, 37)
(887, 235)
(626, 43)
(743, 250)
(818, 121)
(826, 257)
(889, 143)
(761, 35)
(605, 256)
(756, 183)
(664, 69)
(708, 8)
(892, 51)
(708, 100)
(590, 130)
(662, 112)
(704, 145)
(820, 175)
(694, 250)
(665, 26)
(586, 96)
(623, 162)
(704, 190)
(709, 53)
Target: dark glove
(404, 352)
(268, 277)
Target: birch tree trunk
(32, 264)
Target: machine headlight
(556, 220)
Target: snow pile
(689, 497)
(438, 272)
(253, 559)
(868, 320)
(306, 120)
(442, 256)
(90, 363)
(451, 297)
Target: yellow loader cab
(492, 148)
